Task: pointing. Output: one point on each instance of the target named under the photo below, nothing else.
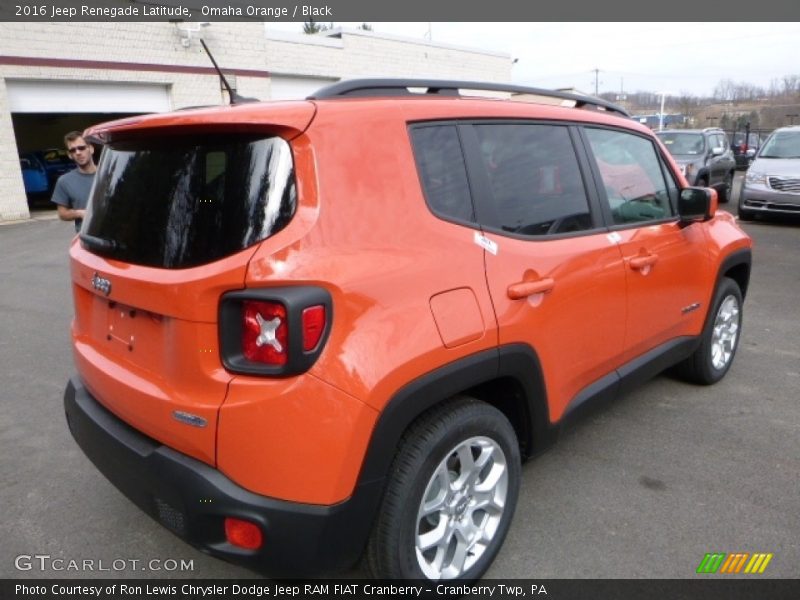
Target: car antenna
(234, 97)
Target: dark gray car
(772, 183)
(704, 156)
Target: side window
(440, 163)
(632, 174)
(535, 179)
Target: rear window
(183, 202)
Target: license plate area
(125, 326)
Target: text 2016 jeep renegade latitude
(311, 331)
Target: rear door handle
(523, 289)
(642, 261)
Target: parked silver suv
(704, 156)
(772, 183)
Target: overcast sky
(656, 57)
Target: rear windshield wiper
(102, 244)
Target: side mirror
(717, 151)
(697, 204)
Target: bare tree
(724, 91)
(791, 85)
(687, 104)
(775, 88)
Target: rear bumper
(192, 499)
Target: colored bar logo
(736, 562)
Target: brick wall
(243, 46)
(365, 54)
(12, 191)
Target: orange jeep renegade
(311, 331)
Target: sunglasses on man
(75, 149)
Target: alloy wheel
(461, 508)
(725, 333)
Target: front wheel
(450, 497)
(720, 337)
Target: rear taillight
(265, 333)
(274, 331)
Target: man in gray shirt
(72, 189)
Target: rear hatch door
(175, 215)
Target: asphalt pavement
(641, 487)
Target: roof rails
(400, 87)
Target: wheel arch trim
(516, 361)
(741, 261)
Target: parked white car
(772, 183)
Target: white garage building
(57, 77)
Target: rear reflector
(243, 534)
(313, 326)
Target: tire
(726, 188)
(720, 338)
(745, 215)
(430, 473)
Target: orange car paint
(387, 266)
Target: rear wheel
(720, 337)
(726, 187)
(451, 495)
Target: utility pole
(621, 97)
(596, 81)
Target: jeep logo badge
(101, 284)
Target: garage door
(293, 88)
(85, 97)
